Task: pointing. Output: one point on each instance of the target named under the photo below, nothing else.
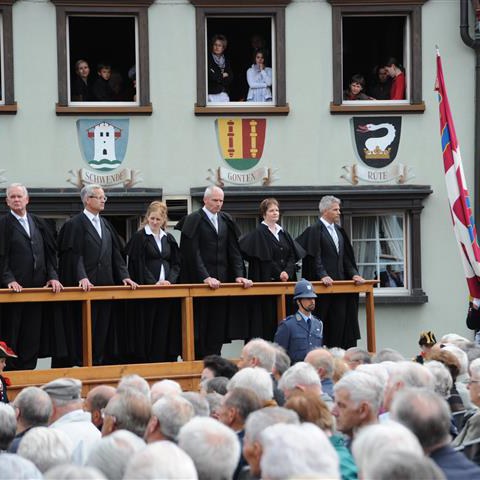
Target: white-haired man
(330, 257)
(211, 255)
(256, 379)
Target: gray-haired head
(89, 190)
(15, 466)
(461, 356)
(134, 382)
(297, 451)
(199, 403)
(34, 407)
(8, 425)
(261, 419)
(326, 202)
(475, 368)
(64, 391)
(215, 401)
(46, 447)
(161, 460)
(73, 472)
(209, 191)
(16, 185)
(216, 385)
(261, 352)
(213, 447)
(164, 387)
(374, 441)
(441, 376)
(282, 361)
(355, 356)
(112, 453)
(378, 370)
(256, 379)
(425, 413)
(388, 354)
(172, 413)
(300, 375)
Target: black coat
(339, 312)
(217, 83)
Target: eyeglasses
(98, 198)
(473, 381)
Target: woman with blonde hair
(154, 259)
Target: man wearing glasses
(90, 255)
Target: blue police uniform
(294, 335)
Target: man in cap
(426, 342)
(301, 332)
(69, 416)
(5, 352)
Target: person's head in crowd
(156, 216)
(322, 361)
(426, 414)
(213, 199)
(473, 352)
(8, 426)
(15, 466)
(163, 460)
(104, 70)
(376, 440)
(398, 465)
(406, 375)
(215, 401)
(340, 368)
(134, 382)
(237, 405)
(282, 361)
(358, 398)
(426, 341)
(65, 394)
(256, 379)
(254, 426)
(257, 353)
(217, 366)
(461, 357)
(387, 354)
(474, 384)
(46, 447)
(454, 339)
(199, 403)
(213, 447)
(259, 58)
(96, 400)
(82, 69)
(111, 454)
(214, 385)
(93, 198)
(73, 472)
(356, 356)
(442, 379)
(378, 370)
(33, 408)
(127, 411)
(356, 85)
(164, 387)
(381, 74)
(17, 200)
(169, 414)
(393, 67)
(311, 408)
(218, 44)
(448, 359)
(301, 376)
(337, 352)
(297, 451)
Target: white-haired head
(442, 377)
(301, 376)
(256, 379)
(15, 466)
(164, 387)
(134, 382)
(258, 353)
(8, 425)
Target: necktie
(334, 235)
(309, 324)
(96, 224)
(215, 222)
(24, 223)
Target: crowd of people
(336, 414)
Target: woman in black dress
(81, 83)
(154, 259)
(272, 255)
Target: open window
(7, 97)
(376, 56)
(241, 57)
(103, 57)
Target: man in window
(330, 257)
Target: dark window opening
(240, 53)
(367, 42)
(103, 40)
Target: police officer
(302, 332)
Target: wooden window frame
(9, 105)
(137, 8)
(245, 8)
(410, 8)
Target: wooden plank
(370, 310)
(188, 332)
(281, 308)
(87, 351)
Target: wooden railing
(188, 371)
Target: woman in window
(259, 78)
(153, 259)
(272, 255)
(396, 72)
(220, 74)
(81, 88)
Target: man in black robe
(27, 259)
(330, 257)
(90, 254)
(211, 255)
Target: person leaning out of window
(396, 71)
(220, 73)
(355, 89)
(259, 78)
